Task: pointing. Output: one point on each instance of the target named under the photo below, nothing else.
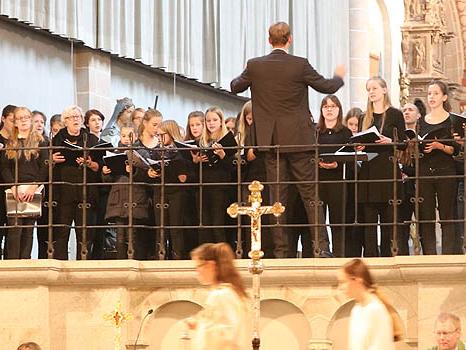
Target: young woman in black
(26, 167)
(377, 196)
(117, 210)
(175, 171)
(253, 170)
(7, 125)
(69, 195)
(214, 197)
(436, 163)
(147, 146)
(332, 131)
(194, 128)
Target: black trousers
(173, 239)
(66, 213)
(331, 195)
(296, 166)
(296, 214)
(445, 191)
(19, 238)
(214, 206)
(374, 212)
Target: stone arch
(283, 326)
(165, 329)
(387, 55)
(337, 330)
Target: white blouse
(224, 323)
(371, 327)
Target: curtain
(207, 40)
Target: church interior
(183, 54)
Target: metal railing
(235, 190)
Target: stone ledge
(133, 273)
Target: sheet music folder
(347, 156)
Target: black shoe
(325, 254)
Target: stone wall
(62, 305)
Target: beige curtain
(207, 40)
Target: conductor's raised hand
(340, 71)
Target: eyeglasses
(329, 107)
(73, 117)
(444, 333)
(23, 118)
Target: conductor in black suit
(279, 88)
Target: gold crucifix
(255, 211)
(117, 317)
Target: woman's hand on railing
(360, 148)
(58, 158)
(433, 145)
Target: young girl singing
(214, 197)
(23, 166)
(173, 171)
(377, 196)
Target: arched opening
(283, 326)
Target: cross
(255, 211)
(117, 317)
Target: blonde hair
(223, 256)
(172, 128)
(148, 115)
(30, 145)
(356, 268)
(368, 118)
(247, 109)
(206, 136)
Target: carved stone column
(424, 37)
(359, 48)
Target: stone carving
(404, 82)
(405, 44)
(413, 10)
(419, 57)
(436, 13)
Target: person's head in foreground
(448, 332)
(29, 346)
(214, 266)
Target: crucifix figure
(116, 318)
(255, 211)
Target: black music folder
(116, 162)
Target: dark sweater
(33, 170)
